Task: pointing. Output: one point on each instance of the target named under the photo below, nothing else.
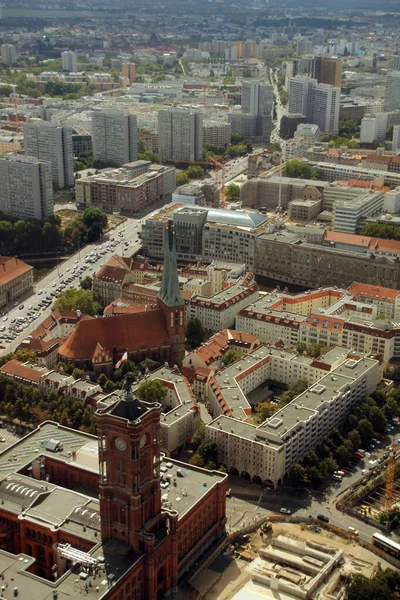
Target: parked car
(323, 518)
(285, 511)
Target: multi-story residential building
(109, 280)
(69, 61)
(133, 188)
(180, 134)
(362, 317)
(350, 215)
(331, 71)
(219, 311)
(16, 279)
(266, 454)
(114, 138)
(257, 100)
(392, 94)
(373, 128)
(52, 143)
(319, 102)
(244, 125)
(129, 71)
(396, 138)
(8, 54)
(217, 133)
(26, 187)
(150, 139)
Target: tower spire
(169, 293)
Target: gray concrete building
(114, 138)
(180, 134)
(26, 187)
(52, 143)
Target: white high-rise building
(114, 138)
(396, 138)
(180, 134)
(69, 61)
(8, 54)
(26, 187)
(392, 95)
(52, 143)
(392, 201)
(319, 102)
(373, 128)
(258, 101)
(299, 90)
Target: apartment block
(69, 61)
(392, 93)
(331, 71)
(8, 54)
(114, 138)
(26, 187)
(319, 102)
(373, 128)
(180, 134)
(16, 279)
(266, 454)
(52, 143)
(217, 133)
(129, 71)
(131, 189)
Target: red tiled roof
(219, 343)
(124, 332)
(127, 307)
(365, 241)
(17, 369)
(363, 290)
(108, 272)
(11, 268)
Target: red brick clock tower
(129, 457)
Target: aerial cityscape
(200, 300)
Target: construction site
(287, 561)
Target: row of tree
(381, 230)
(34, 235)
(385, 585)
(361, 425)
(301, 170)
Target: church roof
(124, 332)
(169, 292)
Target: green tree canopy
(77, 299)
(195, 332)
(230, 357)
(86, 283)
(152, 390)
(232, 192)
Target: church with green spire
(169, 298)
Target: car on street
(353, 531)
(285, 511)
(323, 518)
(21, 307)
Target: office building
(304, 46)
(129, 71)
(396, 138)
(69, 61)
(257, 100)
(391, 203)
(180, 134)
(244, 125)
(349, 215)
(26, 187)
(114, 138)
(392, 93)
(373, 128)
(331, 71)
(289, 124)
(299, 90)
(52, 143)
(8, 54)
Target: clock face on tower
(142, 441)
(120, 444)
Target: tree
(365, 430)
(230, 357)
(301, 347)
(299, 476)
(95, 220)
(199, 435)
(208, 450)
(355, 438)
(342, 455)
(181, 179)
(76, 299)
(264, 410)
(377, 419)
(152, 390)
(86, 283)
(195, 332)
(232, 192)
(194, 172)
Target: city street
(111, 243)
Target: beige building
(266, 454)
(16, 279)
(216, 133)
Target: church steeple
(170, 299)
(169, 293)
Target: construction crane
(390, 476)
(220, 166)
